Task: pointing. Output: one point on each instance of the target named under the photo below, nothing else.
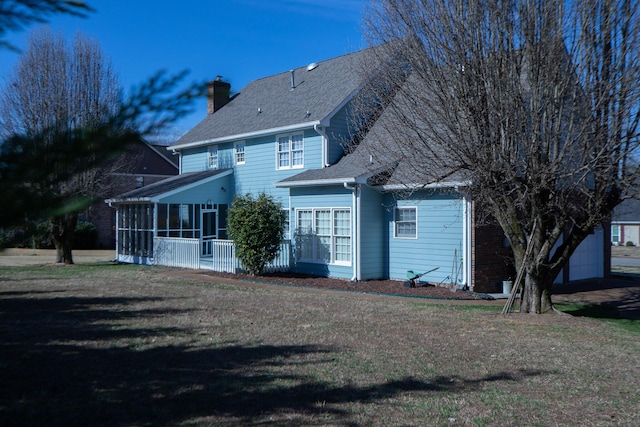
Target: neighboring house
(348, 217)
(625, 223)
(148, 164)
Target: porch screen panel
(135, 230)
(163, 220)
(174, 221)
(222, 221)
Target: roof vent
(312, 66)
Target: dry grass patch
(132, 345)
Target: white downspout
(325, 149)
(355, 218)
(466, 240)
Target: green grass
(134, 345)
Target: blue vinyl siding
(210, 191)
(438, 244)
(338, 135)
(374, 241)
(259, 172)
(194, 160)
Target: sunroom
(180, 222)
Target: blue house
(291, 135)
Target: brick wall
(492, 262)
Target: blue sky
(240, 40)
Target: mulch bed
(385, 287)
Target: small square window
(406, 225)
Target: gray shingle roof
(381, 158)
(627, 211)
(317, 95)
(166, 185)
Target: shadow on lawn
(61, 364)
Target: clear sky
(240, 40)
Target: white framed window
(323, 235)
(406, 222)
(212, 157)
(290, 151)
(287, 224)
(239, 153)
(615, 233)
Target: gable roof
(168, 186)
(628, 211)
(271, 105)
(380, 159)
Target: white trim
(247, 135)
(317, 182)
(415, 186)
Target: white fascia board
(247, 135)
(316, 182)
(156, 199)
(362, 179)
(414, 186)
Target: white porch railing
(186, 253)
(176, 252)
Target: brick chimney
(218, 93)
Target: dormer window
(212, 157)
(290, 151)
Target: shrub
(256, 226)
(629, 243)
(86, 236)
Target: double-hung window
(406, 224)
(615, 233)
(324, 235)
(290, 151)
(239, 154)
(212, 157)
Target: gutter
(325, 145)
(246, 135)
(415, 186)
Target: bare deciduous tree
(17, 14)
(54, 90)
(534, 103)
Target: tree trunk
(536, 295)
(62, 232)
